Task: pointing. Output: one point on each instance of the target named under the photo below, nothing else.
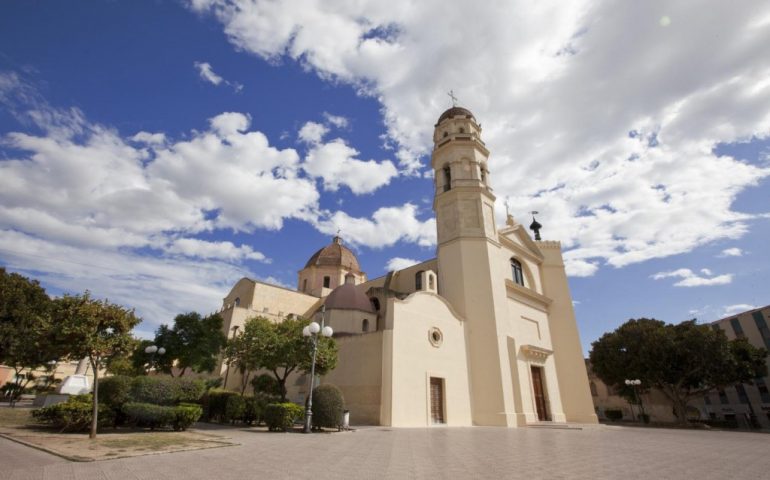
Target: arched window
(237, 301)
(375, 304)
(431, 282)
(446, 134)
(518, 274)
(304, 285)
(365, 325)
(462, 130)
(594, 392)
(327, 282)
(418, 280)
(447, 178)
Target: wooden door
(537, 385)
(437, 400)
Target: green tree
(194, 343)
(280, 348)
(93, 329)
(683, 361)
(26, 342)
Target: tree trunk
(95, 409)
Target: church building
(482, 334)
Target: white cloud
(691, 279)
(336, 164)
(738, 308)
(312, 132)
(387, 226)
(206, 72)
(400, 263)
(336, 120)
(557, 99)
(731, 252)
(227, 251)
(150, 138)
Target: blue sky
(155, 152)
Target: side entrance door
(540, 403)
(436, 400)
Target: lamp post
(635, 385)
(312, 331)
(229, 359)
(152, 350)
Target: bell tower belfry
(470, 275)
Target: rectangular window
(723, 397)
(759, 319)
(762, 387)
(742, 397)
(327, 282)
(737, 328)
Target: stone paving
(444, 453)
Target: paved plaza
(443, 453)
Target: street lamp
(634, 384)
(312, 331)
(152, 350)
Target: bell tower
(471, 275)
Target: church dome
(348, 297)
(334, 255)
(456, 112)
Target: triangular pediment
(516, 236)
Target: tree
(683, 361)
(194, 343)
(26, 342)
(93, 329)
(281, 349)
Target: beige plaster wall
(350, 321)
(415, 360)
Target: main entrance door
(436, 400)
(540, 403)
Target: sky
(155, 152)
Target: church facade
(482, 334)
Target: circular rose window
(435, 337)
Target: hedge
(157, 416)
(281, 416)
(166, 390)
(613, 414)
(74, 415)
(328, 406)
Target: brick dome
(456, 112)
(334, 255)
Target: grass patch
(148, 441)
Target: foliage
(74, 415)
(215, 404)
(253, 409)
(266, 385)
(194, 342)
(281, 416)
(154, 390)
(185, 414)
(122, 362)
(683, 361)
(328, 406)
(280, 348)
(189, 390)
(25, 329)
(116, 390)
(149, 415)
(93, 329)
(235, 407)
(613, 414)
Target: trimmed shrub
(149, 415)
(613, 414)
(215, 404)
(328, 406)
(266, 385)
(115, 391)
(189, 390)
(185, 414)
(154, 390)
(74, 415)
(281, 416)
(253, 410)
(235, 407)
